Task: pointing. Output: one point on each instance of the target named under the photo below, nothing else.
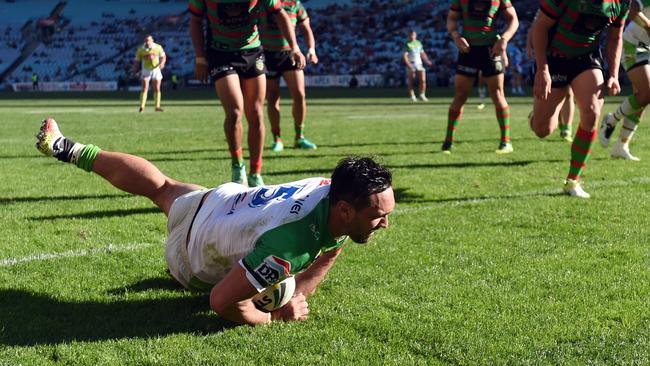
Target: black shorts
(245, 63)
(564, 70)
(277, 62)
(479, 59)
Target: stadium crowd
(100, 47)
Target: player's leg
(566, 116)
(145, 91)
(621, 148)
(157, 81)
(410, 80)
(273, 109)
(254, 90)
(296, 83)
(495, 85)
(630, 109)
(482, 91)
(463, 86)
(587, 87)
(126, 172)
(422, 75)
(232, 100)
(544, 118)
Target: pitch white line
(110, 248)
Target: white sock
(629, 127)
(624, 109)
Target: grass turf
(485, 262)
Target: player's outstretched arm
(287, 29)
(231, 299)
(307, 281)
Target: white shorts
(417, 67)
(155, 74)
(179, 223)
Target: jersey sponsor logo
(266, 195)
(233, 14)
(315, 232)
(272, 269)
(480, 8)
(325, 182)
(238, 199)
(590, 24)
(297, 206)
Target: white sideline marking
(479, 200)
(110, 248)
(60, 110)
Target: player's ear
(346, 210)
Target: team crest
(259, 64)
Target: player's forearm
(513, 24)
(245, 312)
(196, 33)
(452, 25)
(307, 281)
(306, 31)
(614, 46)
(287, 29)
(540, 42)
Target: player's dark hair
(356, 178)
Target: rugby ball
(275, 296)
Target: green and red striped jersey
(580, 24)
(270, 34)
(478, 19)
(232, 24)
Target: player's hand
(543, 83)
(505, 60)
(296, 309)
(201, 72)
(462, 44)
(613, 87)
(298, 58)
(429, 63)
(499, 47)
(312, 58)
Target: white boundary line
(110, 248)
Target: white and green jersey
(271, 231)
(635, 33)
(414, 50)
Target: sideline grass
(485, 262)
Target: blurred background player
(561, 65)
(231, 55)
(516, 69)
(413, 57)
(277, 54)
(480, 49)
(636, 51)
(150, 60)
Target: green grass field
(484, 262)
